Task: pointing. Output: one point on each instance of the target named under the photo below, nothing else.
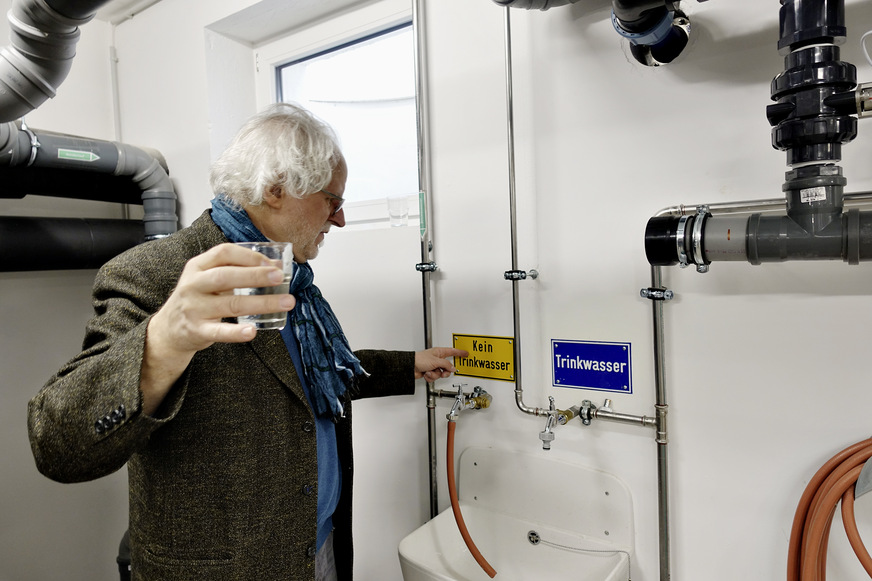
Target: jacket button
(308, 489)
(311, 551)
(308, 427)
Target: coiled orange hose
(809, 536)
(455, 506)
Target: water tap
(546, 435)
(478, 399)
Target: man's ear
(273, 196)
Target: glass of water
(282, 252)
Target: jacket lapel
(268, 345)
(271, 349)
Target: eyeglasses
(337, 201)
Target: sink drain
(534, 538)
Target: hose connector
(477, 400)
(547, 435)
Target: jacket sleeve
(390, 373)
(86, 421)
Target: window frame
(320, 38)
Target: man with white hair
(237, 441)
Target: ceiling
(121, 10)
(262, 21)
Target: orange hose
(820, 522)
(455, 506)
(814, 514)
(850, 522)
(794, 560)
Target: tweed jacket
(223, 477)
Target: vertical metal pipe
(510, 122)
(421, 110)
(662, 439)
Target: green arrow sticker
(74, 155)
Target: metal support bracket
(586, 412)
(657, 294)
(520, 274)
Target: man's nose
(338, 218)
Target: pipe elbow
(148, 171)
(38, 59)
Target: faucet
(546, 435)
(477, 400)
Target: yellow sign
(489, 357)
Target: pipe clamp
(426, 267)
(657, 294)
(34, 143)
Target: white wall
(765, 365)
(50, 530)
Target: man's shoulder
(165, 257)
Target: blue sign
(592, 365)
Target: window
(365, 89)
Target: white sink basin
(582, 517)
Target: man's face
(304, 221)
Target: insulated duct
(43, 38)
(63, 243)
(816, 104)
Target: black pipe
(658, 31)
(640, 15)
(28, 244)
(19, 182)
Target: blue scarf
(329, 365)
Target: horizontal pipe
(705, 238)
(28, 244)
(611, 416)
(751, 206)
(60, 162)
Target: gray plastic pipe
(22, 147)
(35, 149)
(43, 43)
